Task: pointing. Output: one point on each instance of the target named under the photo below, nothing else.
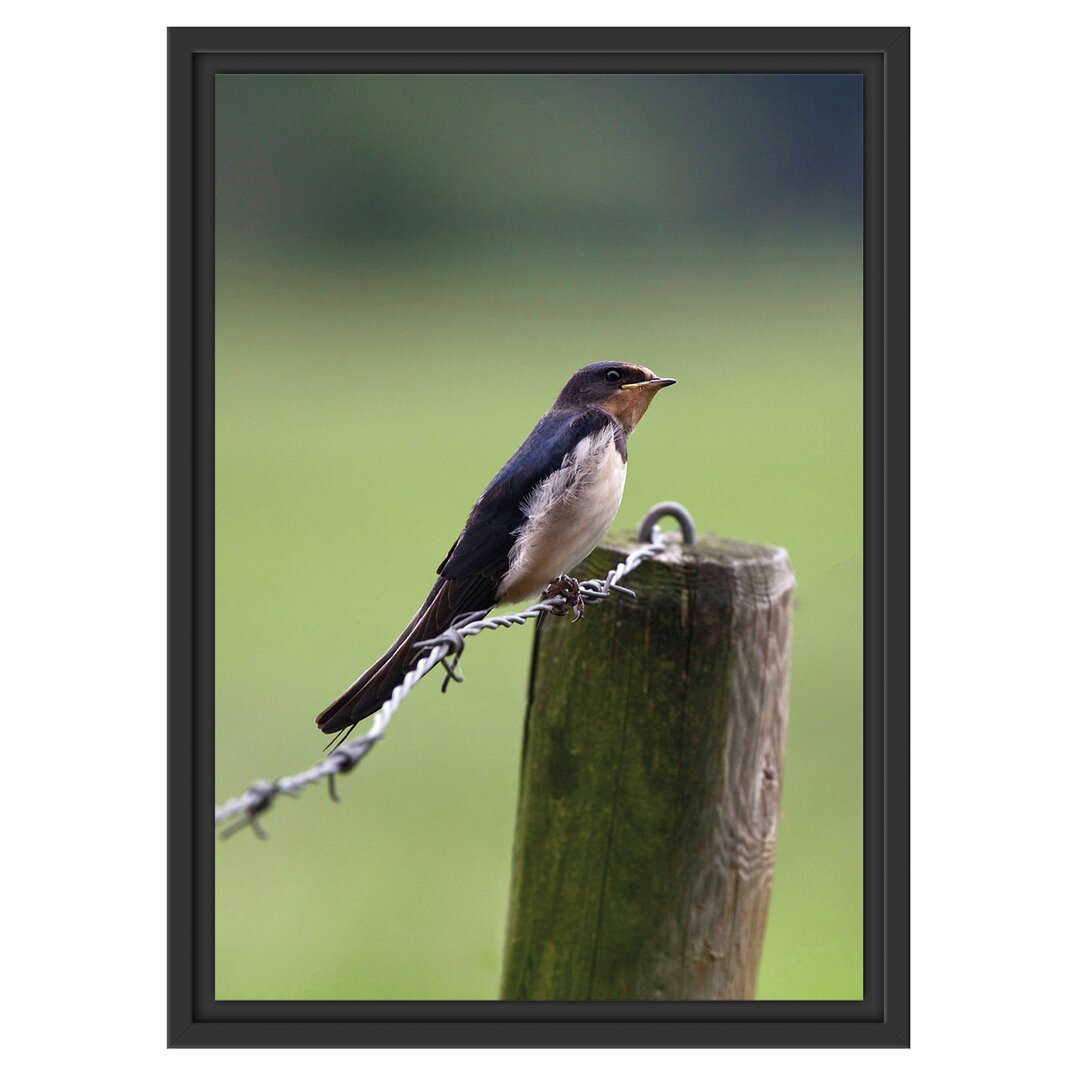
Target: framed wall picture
(424, 287)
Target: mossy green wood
(650, 782)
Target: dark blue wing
(484, 544)
(470, 574)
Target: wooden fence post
(650, 782)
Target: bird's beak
(656, 384)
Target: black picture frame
(881, 55)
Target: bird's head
(623, 390)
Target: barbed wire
(259, 796)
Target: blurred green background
(408, 268)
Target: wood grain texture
(650, 782)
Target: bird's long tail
(446, 602)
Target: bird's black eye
(613, 375)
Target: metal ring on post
(667, 509)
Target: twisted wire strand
(257, 799)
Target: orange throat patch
(628, 406)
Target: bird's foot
(566, 589)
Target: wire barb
(259, 797)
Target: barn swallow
(547, 508)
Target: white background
(994, 569)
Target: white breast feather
(566, 516)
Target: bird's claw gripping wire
(570, 592)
